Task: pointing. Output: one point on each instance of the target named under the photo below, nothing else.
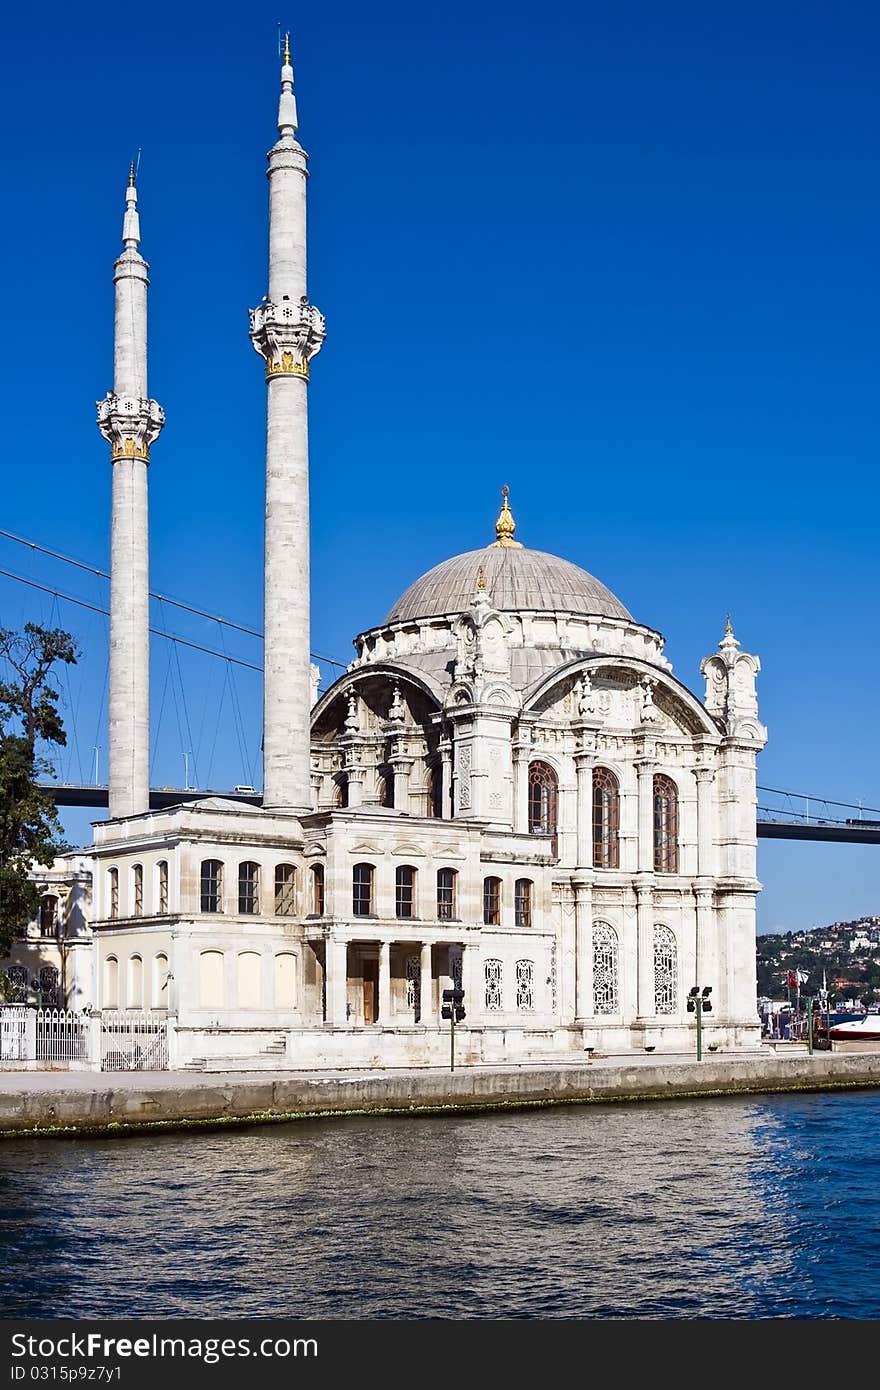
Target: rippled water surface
(724, 1208)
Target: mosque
(507, 791)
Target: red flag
(792, 979)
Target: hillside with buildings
(848, 953)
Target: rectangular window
(138, 876)
(114, 892)
(285, 890)
(248, 888)
(492, 902)
(318, 890)
(163, 887)
(445, 894)
(523, 902)
(212, 886)
(404, 891)
(362, 890)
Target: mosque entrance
(371, 990)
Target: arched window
(522, 902)
(340, 796)
(250, 980)
(543, 799)
(665, 971)
(606, 997)
(48, 915)
(162, 869)
(285, 890)
(318, 890)
(492, 978)
(212, 981)
(48, 987)
(404, 891)
(492, 902)
(385, 787)
(161, 981)
(137, 890)
(285, 980)
(135, 982)
(362, 890)
(665, 825)
(249, 887)
(525, 985)
(111, 983)
(446, 894)
(113, 886)
(212, 885)
(606, 819)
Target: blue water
(736, 1208)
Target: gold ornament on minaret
(505, 525)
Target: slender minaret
(287, 332)
(130, 421)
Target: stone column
(385, 984)
(287, 332)
(645, 773)
(445, 778)
(521, 752)
(401, 766)
(130, 422)
(336, 980)
(584, 761)
(426, 994)
(646, 1001)
(705, 822)
(583, 907)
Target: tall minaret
(130, 421)
(287, 331)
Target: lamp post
(453, 1009)
(698, 1002)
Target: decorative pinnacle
(131, 175)
(287, 49)
(728, 631)
(505, 525)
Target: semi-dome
(516, 579)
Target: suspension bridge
(781, 814)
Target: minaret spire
(130, 422)
(287, 332)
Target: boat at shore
(865, 1027)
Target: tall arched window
(665, 825)
(665, 970)
(318, 889)
(522, 902)
(446, 892)
(606, 997)
(113, 887)
(249, 887)
(161, 982)
(362, 890)
(285, 890)
(137, 886)
(111, 983)
(606, 819)
(162, 868)
(543, 799)
(48, 915)
(404, 891)
(492, 902)
(211, 894)
(135, 982)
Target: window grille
(525, 985)
(493, 985)
(606, 819)
(606, 998)
(414, 987)
(665, 971)
(543, 799)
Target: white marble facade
(509, 790)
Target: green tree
(30, 831)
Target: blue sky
(622, 257)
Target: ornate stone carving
(649, 713)
(287, 336)
(130, 424)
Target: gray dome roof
(516, 579)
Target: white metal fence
(13, 1033)
(133, 1041)
(116, 1040)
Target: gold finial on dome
(728, 631)
(287, 49)
(505, 525)
(131, 175)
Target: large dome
(516, 580)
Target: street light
(698, 1002)
(453, 1009)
